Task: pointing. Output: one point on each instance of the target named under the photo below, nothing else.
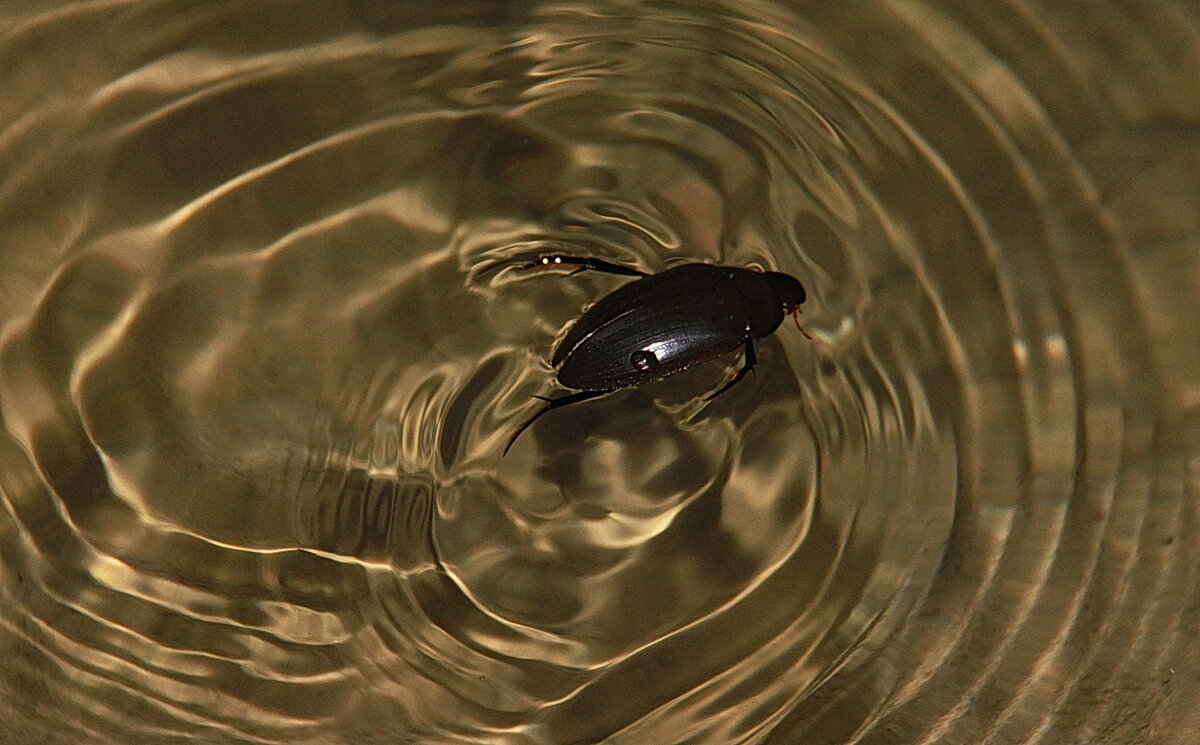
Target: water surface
(264, 335)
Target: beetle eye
(643, 360)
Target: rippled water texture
(265, 334)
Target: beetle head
(788, 291)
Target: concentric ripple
(266, 332)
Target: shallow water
(265, 335)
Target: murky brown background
(263, 338)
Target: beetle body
(664, 323)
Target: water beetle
(664, 323)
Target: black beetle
(664, 323)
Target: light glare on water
(264, 334)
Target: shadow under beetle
(664, 323)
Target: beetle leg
(553, 403)
(585, 264)
(747, 366)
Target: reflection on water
(265, 336)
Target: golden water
(264, 339)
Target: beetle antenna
(796, 318)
